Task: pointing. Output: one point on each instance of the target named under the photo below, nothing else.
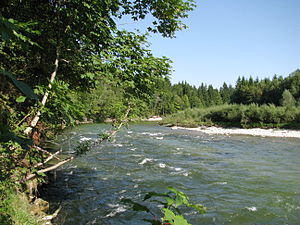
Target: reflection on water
(240, 179)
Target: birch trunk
(33, 123)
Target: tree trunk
(33, 123)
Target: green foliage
(91, 51)
(10, 29)
(17, 159)
(292, 83)
(23, 87)
(266, 91)
(83, 147)
(171, 202)
(103, 71)
(246, 116)
(61, 109)
(104, 136)
(15, 208)
(90, 54)
(287, 99)
(171, 218)
(21, 99)
(167, 14)
(171, 98)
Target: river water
(240, 179)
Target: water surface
(240, 179)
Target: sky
(231, 38)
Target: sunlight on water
(240, 179)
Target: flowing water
(240, 179)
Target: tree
(292, 83)
(185, 102)
(214, 96)
(62, 49)
(78, 39)
(226, 93)
(287, 99)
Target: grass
(15, 209)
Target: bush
(246, 116)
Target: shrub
(242, 115)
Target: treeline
(162, 98)
(278, 91)
(107, 100)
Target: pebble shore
(253, 132)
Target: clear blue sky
(231, 38)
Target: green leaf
(180, 220)
(181, 198)
(170, 201)
(6, 28)
(173, 219)
(178, 201)
(168, 215)
(42, 174)
(200, 208)
(23, 87)
(9, 30)
(21, 99)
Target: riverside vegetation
(234, 115)
(251, 103)
(57, 59)
(63, 61)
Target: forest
(108, 101)
(250, 103)
(68, 61)
(278, 91)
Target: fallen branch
(120, 125)
(25, 117)
(30, 176)
(45, 151)
(51, 156)
(36, 118)
(52, 216)
(48, 159)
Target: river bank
(239, 131)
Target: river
(239, 179)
